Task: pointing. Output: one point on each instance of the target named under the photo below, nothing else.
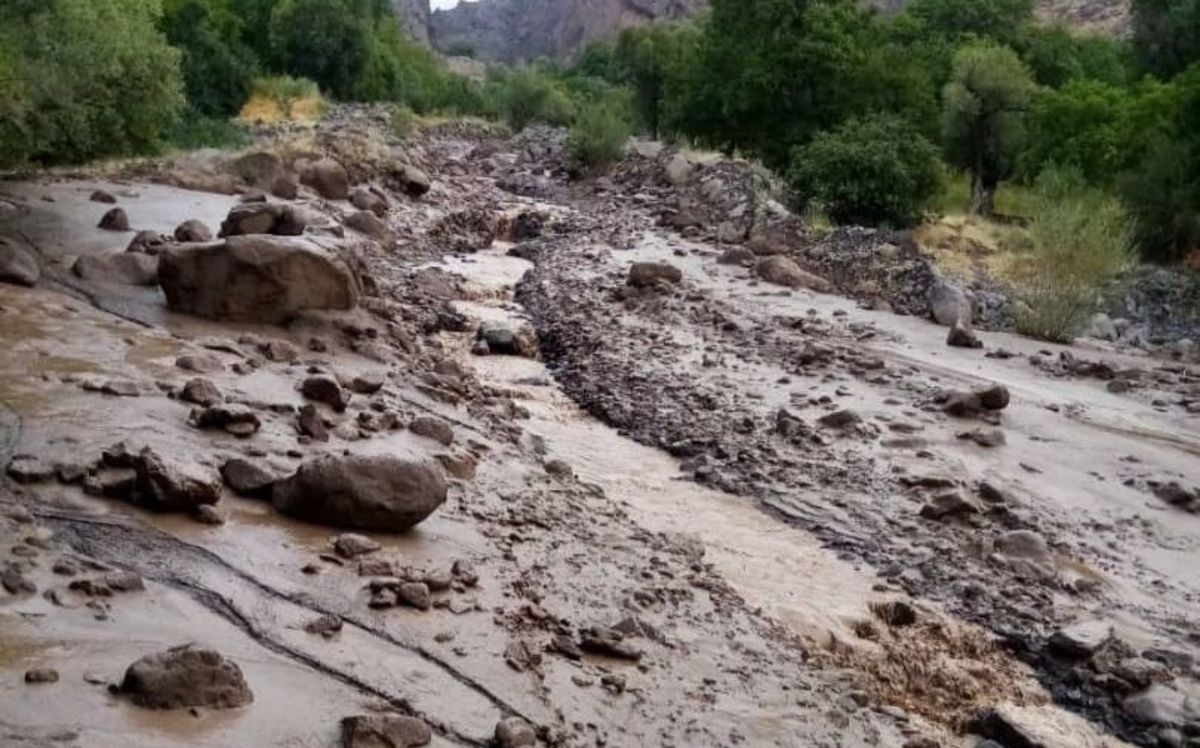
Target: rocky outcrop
(258, 278)
(515, 30)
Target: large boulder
(782, 271)
(328, 178)
(410, 180)
(185, 677)
(132, 268)
(263, 218)
(193, 230)
(264, 279)
(259, 168)
(371, 493)
(949, 304)
(651, 274)
(18, 264)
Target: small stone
(326, 626)
(351, 545)
(840, 419)
(961, 336)
(325, 389)
(514, 732)
(950, 504)
(102, 196)
(367, 384)
(464, 571)
(385, 731)
(208, 515)
(193, 231)
(187, 676)
(433, 428)
(414, 595)
(41, 675)
(310, 424)
(201, 391)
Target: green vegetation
(1080, 239)
(598, 135)
(861, 110)
(404, 122)
(877, 170)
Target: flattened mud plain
(758, 489)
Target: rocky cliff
(414, 17)
(517, 30)
(514, 30)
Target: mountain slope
(517, 30)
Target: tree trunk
(983, 195)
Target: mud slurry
(639, 479)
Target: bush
(530, 95)
(404, 122)
(1080, 240)
(324, 41)
(195, 130)
(283, 97)
(82, 80)
(875, 170)
(598, 136)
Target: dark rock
(840, 419)
(896, 613)
(285, 187)
(41, 675)
(410, 180)
(367, 384)
(193, 231)
(374, 493)
(187, 676)
(238, 420)
(370, 199)
(432, 428)
(262, 218)
(997, 724)
(609, 642)
(262, 279)
(464, 571)
(650, 274)
(326, 626)
(961, 336)
(102, 196)
(325, 389)
(385, 731)
(114, 220)
(995, 397)
(738, 255)
(28, 469)
(208, 515)
(147, 242)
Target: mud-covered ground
(657, 465)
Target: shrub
(217, 67)
(324, 41)
(598, 136)
(81, 80)
(404, 122)
(195, 130)
(1080, 239)
(876, 170)
(283, 97)
(530, 96)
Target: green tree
(84, 79)
(984, 110)
(1166, 34)
(960, 20)
(1163, 191)
(598, 135)
(322, 40)
(648, 59)
(1056, 55)
(217, 68)
(532, 95)
(874, 170)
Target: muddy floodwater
(700, 511)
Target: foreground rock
(948, 304)
(371, 493)
(261, 218)
(384, 731)
(328, 178)
(650, 274)
(183, 677)
(264, 279)
(17, 264)
(163, 483)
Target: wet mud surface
(658, 468)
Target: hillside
(515, 30)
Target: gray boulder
(193, 231)
(650, 274)
(263, 279)
(385, 731)
(183, 677)
(949, 304)
(364, 492)
(781, 271)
